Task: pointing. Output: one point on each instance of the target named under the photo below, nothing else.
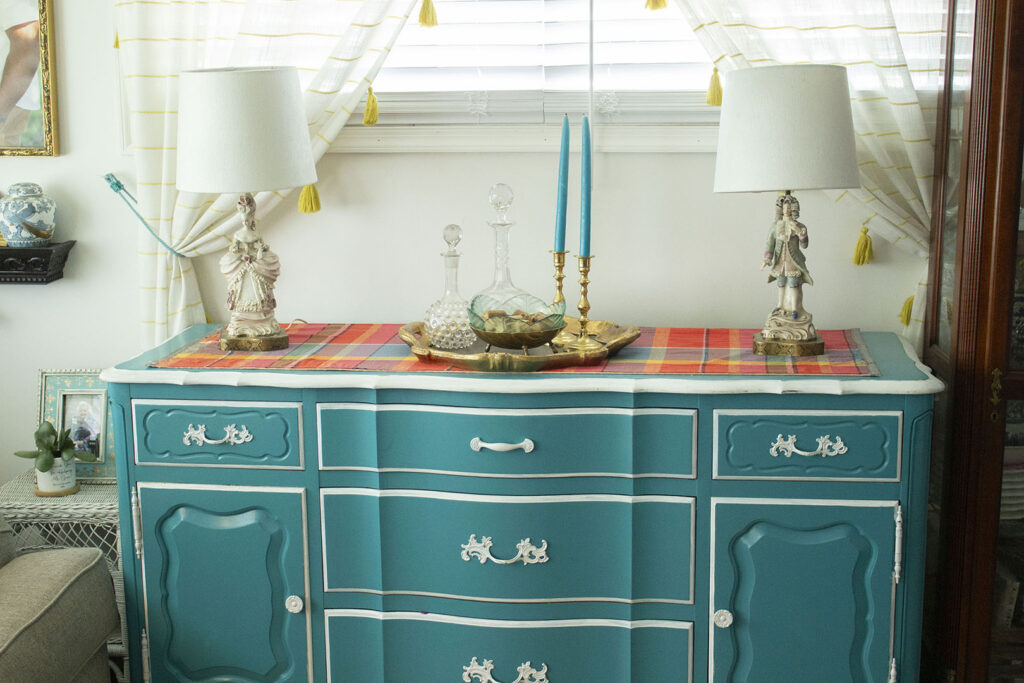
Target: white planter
(59, 481)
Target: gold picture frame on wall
(28, 85)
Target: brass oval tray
(612, 335)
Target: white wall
(86, 320)
(668, 250)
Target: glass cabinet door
(941, 314)
(976, 344)
(957, 92)
(1006, 653)
(1016, 359)
(1006, 656)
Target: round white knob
(293, 603)
(723, 618)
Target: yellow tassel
(908, 306)
(715, 90)
(309, 199)
(656, 4)
(428, 15)
(863, 253)
(372, 109)
(117, 42)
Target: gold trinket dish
(611, 336)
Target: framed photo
(28, 127)
(77, 400)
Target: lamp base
(788, 347)
(267, 342)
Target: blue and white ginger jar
(27, 216)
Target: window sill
(433, 139)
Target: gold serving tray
(612, 335)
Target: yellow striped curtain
(338, 48)
(893, 51)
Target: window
(528, 61)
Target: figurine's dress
(251, 269)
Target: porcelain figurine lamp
(786, 128)
(243, 130)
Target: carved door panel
(802, 591)
(224, 570)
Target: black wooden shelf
(34, 265)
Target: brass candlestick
(559, 274)
(564, 336)
(584, 342)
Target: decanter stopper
(447, 319)
(501, 197)
(452, 236)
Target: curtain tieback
(118, 187)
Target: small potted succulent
(55, 461)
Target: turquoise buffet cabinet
(360, 527)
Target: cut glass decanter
(505, 315)
(447, 319)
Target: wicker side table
(87, 519)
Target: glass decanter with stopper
(504, 315)
(447, 320)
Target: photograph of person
(83, 415)
(21, 122)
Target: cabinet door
(219, 564)
(802, 591)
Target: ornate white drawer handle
(476, 444)
(723, 618)
(294, 604)
(232, 435)
(528, 552)
(826, 447)
(482, 672)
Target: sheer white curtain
(893, 52)
(338, 48)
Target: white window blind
(527, 61)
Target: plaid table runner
(658, 350)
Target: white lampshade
(242, 130)
(786, 128)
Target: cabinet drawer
(824, 445)
(571, 548)
(250, 434)
(485, 442)
(364, 646)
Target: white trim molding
(679, 138)
(540, 384)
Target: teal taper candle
(585, 191)
(563, 186)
